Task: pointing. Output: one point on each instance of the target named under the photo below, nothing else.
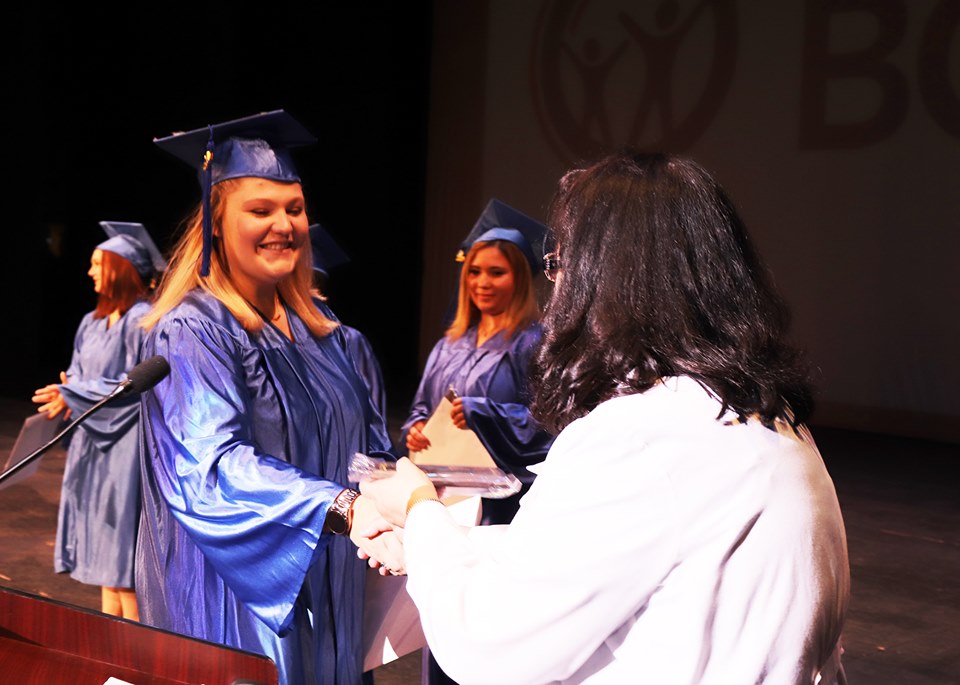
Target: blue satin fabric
(100, 494)
(364, 359)
(368, 366)
(245, 445)
(492, 380)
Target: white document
(449, 445)
(391, 622)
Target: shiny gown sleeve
(106, 426)
(506, 428)
(509, 433)
(257, 519)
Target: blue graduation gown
(245, 445)
(364, 359)
(100, 495)
(492, 380)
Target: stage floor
(901, 505)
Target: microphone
(139, 379)
(142, 377)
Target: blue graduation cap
(500, 221)
(326, 253)
(257, 145)
(133, 243)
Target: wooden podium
(43, 641)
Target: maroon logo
(607, 73)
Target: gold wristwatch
(340, 514)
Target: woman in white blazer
(683, 527)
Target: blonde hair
(522, 309)
(183, 275)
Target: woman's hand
(392, 494)
(375, 539)
(416, 440)
(459, 418)
(50, 400)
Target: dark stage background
(834, 126)
(88, 89)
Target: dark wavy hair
(658, 278)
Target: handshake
(389, 491)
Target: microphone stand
(121, 388)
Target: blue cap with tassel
(257, 146)
(500, 221)
(132, 242)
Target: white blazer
(658, 544)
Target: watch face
(336, 524)
(340, 513)
(339, 525)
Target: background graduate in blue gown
(485, 354)
(485, 357)
(100, 496)
(247, 507)
(328, 255)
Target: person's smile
(276, 245)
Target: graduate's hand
(459, 418)
(392, 494)
(375, 539)
(416, 440)
(50, 400)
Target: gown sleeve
(507, 429)
(105, 426)
(257, 519)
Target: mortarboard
(500, 221)
(256, 146)
(133, 243)
(326, 253)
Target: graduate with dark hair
(683, 528)
(328, 255)
(100, 497)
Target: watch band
(340, 514)
(425, 493)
